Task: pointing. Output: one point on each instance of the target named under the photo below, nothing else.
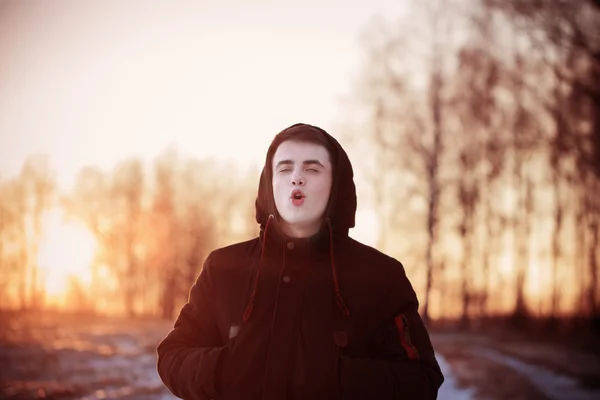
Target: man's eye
(312, 169)
(285, 170)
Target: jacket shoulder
(390, 271)
(391, 274)
(233, 255)
(236, 247)
(371, 255)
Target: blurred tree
(12, 243)
(163, 242)
(77, 298)
(215, 207)
(153, 235)
(5, 219)
(24, 200)
(22, 260)
(506, 112)
(196, 200)
(523, 142)
(468, 196)
(571, 27)
(409, 126)
(89, 202)
(474, 104)
(476, 94)
(40, 187)
(567, 33)
(111, 207)
(126, 197)
(432, 154)
(557, 153)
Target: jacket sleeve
(191, 353)
(401, 363)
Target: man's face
(302, 177)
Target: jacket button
(290, 245)
(286, 279)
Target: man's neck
(299, 232)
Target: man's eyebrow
(284, 162)
(311, 162)
(305, 162)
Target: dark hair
(304, 133)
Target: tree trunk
(520, 213)
(490, 248)
(467, 199)
(593, 225)
(22, 268)
(556, 243)
(434, 189)
(593, 266)
(580, 246)
(521, 229)
(168, 297)
(466, 275)
(434, 156)
(131, 282)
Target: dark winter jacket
(278, 318)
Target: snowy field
(85, 358)
(82, 359)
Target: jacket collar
(273, 241)
(276, 242)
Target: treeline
(154, 226)
(477, 128)
(484, 121)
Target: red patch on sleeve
(405, 340)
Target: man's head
(305, 160)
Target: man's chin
(299, 223)
(298, 220)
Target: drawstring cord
(338, 295)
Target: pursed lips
(297, 194)
(297, 197)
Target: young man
(303, 311)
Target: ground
(83, 357)
(509, 368)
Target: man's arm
(401, 363)
(188, 357)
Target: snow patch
(450, 389)
(553, 385)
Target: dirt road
(88, 358)
(517, 369)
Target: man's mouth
(297, 197)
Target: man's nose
(297, 180)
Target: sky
(91, 83)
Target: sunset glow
(149, 115)
(66, 253)
(136, 140)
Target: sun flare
(65, 254)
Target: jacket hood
(341, 208)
